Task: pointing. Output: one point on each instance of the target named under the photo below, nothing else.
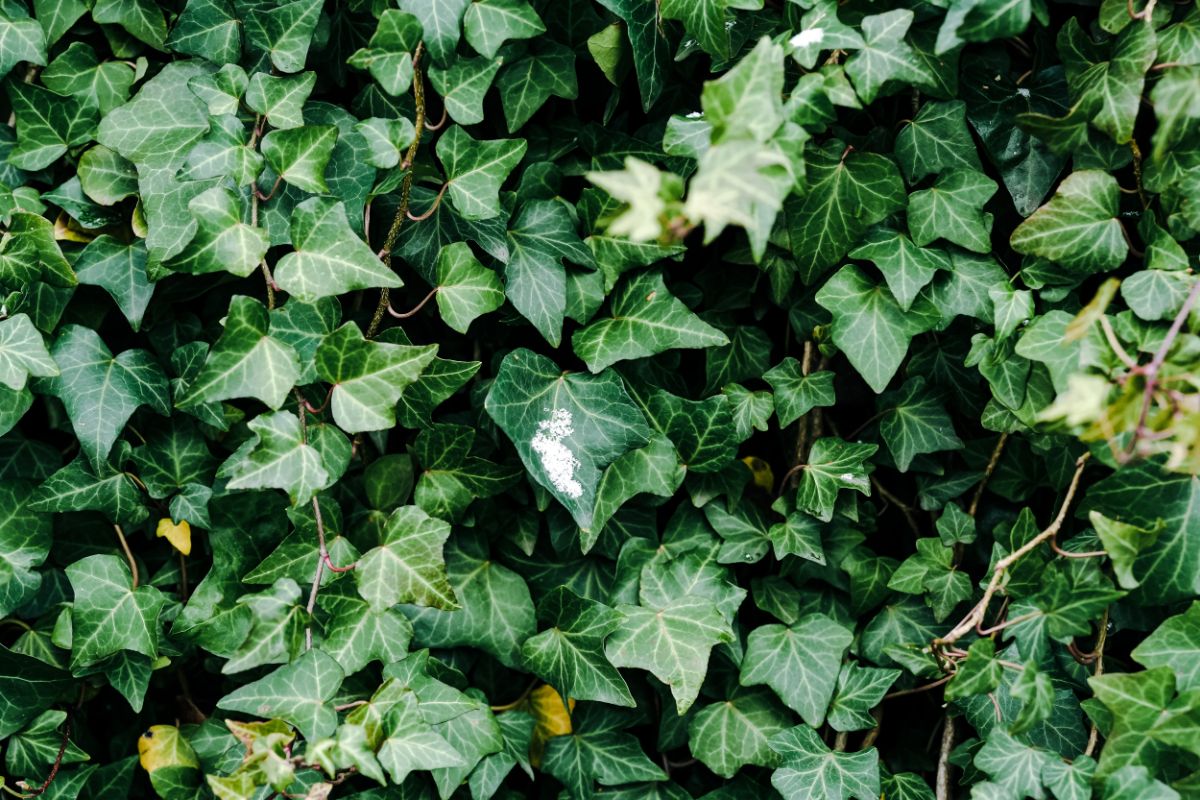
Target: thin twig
(1006, 624)
(427, 213)
(987, 474)
(389, 243)
(918, 689)
(978, 613)
(1094, 735)
(62, 749)
(944, 777)
(905, 509)
(415, 309)
(128, 555)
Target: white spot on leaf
(557, 459)
(806, 37)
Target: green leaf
(281, 455)
(800, 663)
(1172, 644)
(106, 177)
(23, 353)
(100, 391)
(300, 155)
(833, 465)
(525, 85)
(885, 56)
(936, 140)
(1015, 766)
(77, 487)
(541, 236)
(208, 29)
(1078, 227)
(441, 20)
(464, 83)
(389, 54)
(728, 735)
(915, 423)
(161, 123)
(570, 654)
(906, 267)
(847, 193)
(672, 642)
(704, 20)
(298, 693)
(367, 377)
(223, 242)
(859, 689)
(245, 362)
(496, 613)
(1109, 91)
(796, 393)
(810, 770)
(47, 125)
(142, 19)
(329, 258)
(487, 24)
(21, 39)
(284, 31)
(745, 103)
(952, 209)
(565, 426)
(466, 289)
(110, 614)
(26, 536)
(476, 169)
(869, 326)
(646, 320)
(407, 566)
(28, 686)
(280, 99)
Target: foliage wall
(632, 399)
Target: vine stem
(62, 749)
(987, 474)
(415, 309)
(393, 233)
(1150, 371)
(918, 689)
(128, 555)
(976, 615)
(1094, 735)
(944, 782)
(437, 201)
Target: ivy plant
(600, 398)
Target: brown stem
(62, 749)
(274, 188)
(1094, 735)
(945, 780)
(440, 123)
(918, 689)
(415, 309)
(1007, 623)
(840, 741)
(350, 705)
(427, 213)
(905, 509)
(873, 734)
(270, 281)
(128, 555)
(1068, 554)
(389, 243)
(1115, 343)
(987, 474)
(977, 614)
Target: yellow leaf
(551, 719)
(764, 477)
(180, 536)
(163, 746)
(68, 230)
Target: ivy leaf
(1078, 228)
(810, 770)
(726, 736)
(389, 54)
(646, 320)
(672, 642)
(300, 155)
(441, 21)
(77, 487)
(23, 353)
(223, 242)
(21, 39)
(282, 456)
(329, 259)
(245, 362)
(704, 20)
(936, 140)
(915, 423)
(466, 290)
(833, 465)
(101, 391)
(570, 654)
(847, 193)
(869, 325)
(1171, 644)
(280, 98)
(208, 29)
(906, 267)
(464, 83)
(407, 566)
(26, 536)
(283, 32)
(541, 236)
(161, 123)
(565, 426)
(526, 84)
(367, 377)
(800, 663)
(110, 614)
(796, 393)
(885, 56)
(476, 169)
(27, 686)
(487, 24)
(952, 209)
(745, 103)
(298, 693)
(47, 125)
(859, 689)
(496, 613)
(1109, 91)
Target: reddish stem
(415, 309)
